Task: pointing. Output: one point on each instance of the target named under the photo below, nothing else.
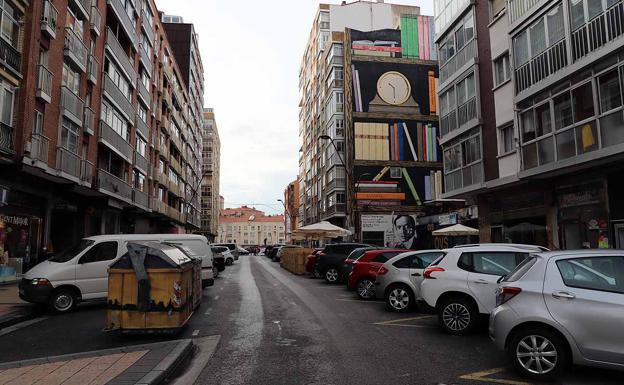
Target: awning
(320, 230)
(456, 230)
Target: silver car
(398, 280)
(562, 307)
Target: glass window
(496, 7)
(594, 8)
(141, 146)
(610, 91)
(612, 129)
(577, 13)
(10, 26)
(566, 146)
(420, 261)
(528, 128)
(563, 110)
(546, 150)
(69, 135)
(104, 251)
(542, 115)
(538, 38)
(502, 72)
(6, 115)
(521, 49)
(583, 102)
(556, 30)
(600, 273)
(507, 139)
(529, 156)
(495, 263)
(586, 138)
(403, 263)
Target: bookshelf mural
(406, 140)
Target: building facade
(291, 208)
(552, 155)
(101, 136)
(247, 226)
(322, 176)
(211, 164)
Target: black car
(218, 260)
(347, 266)
(272, 253)
(330, 261)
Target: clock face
(394, 88)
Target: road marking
(21, 325)
(482, 376)
(216, 297)
(195, 333)
(208, 311)
(396, 321)
(357, 300)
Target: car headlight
(39, 282)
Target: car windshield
(70, 253)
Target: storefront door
(619, 235)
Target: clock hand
(393, 90)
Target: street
(278, 328)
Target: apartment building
(557, 79)
(291, 208)
(102, 137)
(322, 176)
(247, 226)
(211, 164)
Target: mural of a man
(405, 235)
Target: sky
(251, 53)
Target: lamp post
(287, 212)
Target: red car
(362, 277)
(311, 263)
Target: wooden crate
(294, 260)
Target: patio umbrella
(320, 230)
(456, 230)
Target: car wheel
(63, 301)
(229, 261)
(366, 289)
(457, 316)
(331, 274)
(399, 298)
(538, 353)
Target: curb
(169, 364)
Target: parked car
(347, 266)
(460, 285)
(232, 247)
(273, 251)
(562, 307)
(310, 266)
(330, 261)
(242, 251)
(80, 273)
(364, 272)
(280, 250)
(398, 280)
(219, 257)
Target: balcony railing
(92, 69)
(67, 162)
(49, 18)
(140, 198)
(124, 19)
(598, 32)
(145, 59)
(146, 26)
(89, 121)
(6, 138)
(543, 65)
(142, 127)
(110, 184)
(39, 147)
(118, 97)
(517, 8)
(71, 105)
(95, 21)
(454, 64)
(335, 183)
(82, 7)
(174, 213)
(448, 123)
(338, 208)
(467, 111)
(75, 50)
(115, 141)
(86, 172)
(161, 177)
(140, 162)
(44, 83)
(143, 92)
(120, 54)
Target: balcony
(541, 66)
(44, 83)
(149, 31)
(6, 139)
(163, 148)
(67, 164)
(111, 185)
(167, 98)
(141, 163)
(335, 183)
(39, 147)
(176, 165)
(120, 55)
(467, 112)
(160, 176)
(86, 172)
(143, 93)
(598, 32)
(158, 206)
(145, 59)
(71, 105)
(89, 121)
(518, 8)
(457, 62)
(49, 18)
(75, 50)
(115, 142)
(174, 188)
(95, 21)
(118, 8)
(142, 127)
(339, 209)
(81, 7)
(92, 69)
(116, 96)
(174, 214)
(140, 199)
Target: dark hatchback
(330, 261)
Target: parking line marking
(208, 311)
(357, 300)
(21, 325)
(482, 376)
(195, 332)
(216, 297)
(395, 321)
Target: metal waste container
(152, 288)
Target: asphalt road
(277, 328)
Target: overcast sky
(251, 51)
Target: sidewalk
(140, 364)
(12, 308)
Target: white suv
(462, 284)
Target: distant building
(291, 201)
(211, 164)
(247, 226)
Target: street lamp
(289, 216)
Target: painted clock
(394, 88)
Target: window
(583, 102)
(146, 44)
(138, 180)
(491, 263)
(599, 273)
(610, 91)
(115, 120)
(38, 123)
(10, 26)
(403, 263)
(104, 251)
(7, 99)
(462, 162)
(69, 135)
(340, 197)
(420, 261)
(507, 139)
(502, 72)
(71, 79)
(141, 146)
(496, 7)
(142, 112)
(145, 79)
(544, 33)
(117, 78)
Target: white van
(81, 272)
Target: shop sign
(14, 220)
(579, 198)
(447, 219)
